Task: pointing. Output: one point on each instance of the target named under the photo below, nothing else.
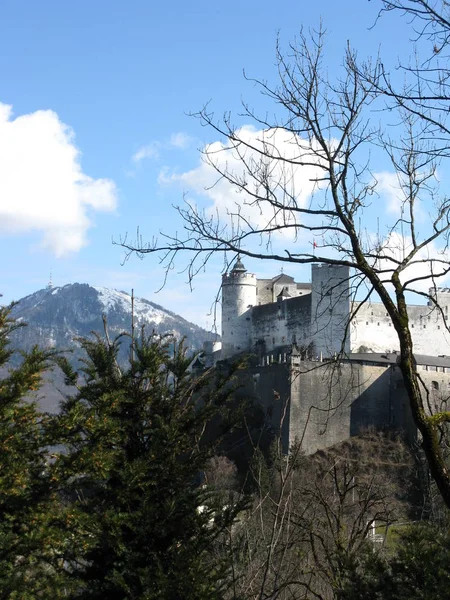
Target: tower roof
(238, 267)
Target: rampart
(319, 404)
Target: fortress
(261, 315)
(293, 330)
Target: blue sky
(94, 99)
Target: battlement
(235, 276)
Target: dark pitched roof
(392, 358)
(284, 294)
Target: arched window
(435, 385)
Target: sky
(96, 137)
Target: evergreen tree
(26, 494)
(137, 522)
(416, 568)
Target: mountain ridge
(56, 316)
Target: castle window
(273, 340)
(439, 326)
(390, 324)
(412, 326)
(424, 326)
(378, 324)
(435, 385)
(367, 322)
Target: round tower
(238, 298)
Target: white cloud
(299, 181)
(152, 150)
(180, 140)
(149, 151)
(426, 265)
(42, 185)
(391, 187)
(388, 185)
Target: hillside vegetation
(126, 494)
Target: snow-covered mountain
(56, 316)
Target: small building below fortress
(262, 315)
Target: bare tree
(311, 517)
(328, 130)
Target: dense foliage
(137, 522)
(118, 508)
(26, 494)
(416, 568)
(124, 495)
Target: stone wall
(280, 324)
(325, 404)
(330, 309)
(372, 329)
(321, 404)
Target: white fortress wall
(372, 330)
(252, 321)
(282, 323)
